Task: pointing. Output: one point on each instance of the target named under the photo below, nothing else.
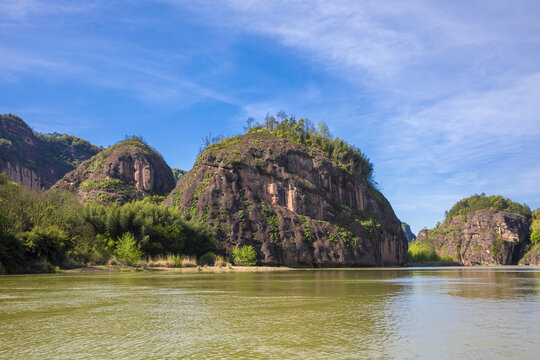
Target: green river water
(409, 313)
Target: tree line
(43, 230)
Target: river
(407, 313)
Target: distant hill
(39, 160)
(407, 231)
(178, 173)
(481, 230)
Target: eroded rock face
(38, 161)
(487, 237)
(126, 171)
(292, 204)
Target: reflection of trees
(492, 283)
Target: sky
(443, 96)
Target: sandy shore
(198, 269)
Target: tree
(324, 131)
(281, 115)
(127, 249)
(244, 256)
(269, 121)
(250, 121)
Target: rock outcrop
(126, 171)
(294, 205)
(483, 237)
(532, 257)
(35, 160)
(407, 231)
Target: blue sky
(443, 96)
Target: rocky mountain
(126, 171)
(178, 173)
(290, 202)
(35, 160)
(481, 237)
(407, 231)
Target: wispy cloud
(20, 10)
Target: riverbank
(197, 269)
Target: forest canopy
(483, 202)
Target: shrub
(535, 237)
(449, 258)
(46, 243)
(497, 248)
(189, 261)
(127, 249)
(208, 259)
(244, 256)
(219, 262)
(175, 260)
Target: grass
(163, 261)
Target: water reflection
(391, 313)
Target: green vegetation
(210, 259)
(483, 202)
(273, 223)
(535, 221)
(110, 185)
(38, 231)
(198, 192)
(497, 249)
(346, 236)
(535, 237)
(127, 249)
(244, 256)
(178, 173)
(158, 229)
(60, 152)
(348, 157)
(135, 143)
(532, 249)
(5, 144)
(62, 147)
(422, 251)
(368, 227)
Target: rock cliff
(294, 205)
(482, 237)
(407, 231)
(35, 160)
(126, 171)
